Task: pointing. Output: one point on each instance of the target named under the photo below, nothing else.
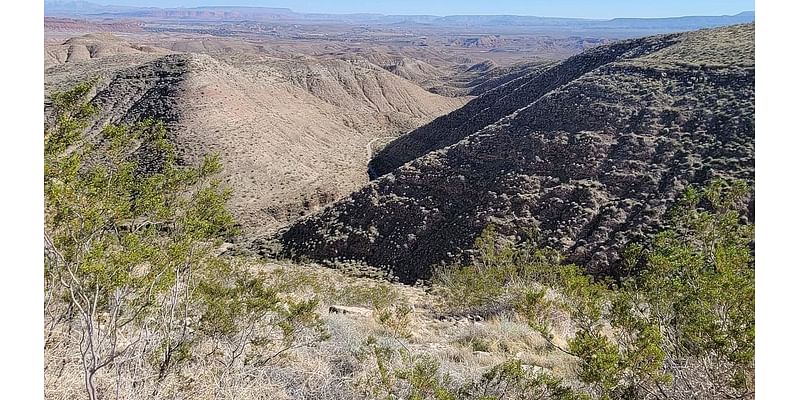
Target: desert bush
(501, 273)
(394, 372)
(392, 313)
(395, 319)
(511, 380)
(677, 320)
(685, 325)
(133, 285)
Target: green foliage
(586, 296)
(227, 305)
(399, 374)
(502, 272)
(124, 236)
(72, 115)
(424, 380)
(700, 284)
(380, 384)
(536, 309)
(390, 311)
(131, 240)
(682, 303)
(691, 306)
(297, 317)
(395, 319)
(511, 380)
(602, 364)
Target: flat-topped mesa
(591, 153)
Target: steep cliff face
(591, 152)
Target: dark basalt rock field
(591, 152)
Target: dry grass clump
(506, 337)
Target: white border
(778, 176)
(21, 295)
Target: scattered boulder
(348, 310)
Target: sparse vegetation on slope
(587, 235)
(292, 133)
(138, 304)
(682, 326)
(592, 162)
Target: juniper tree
(130, 239)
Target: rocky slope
(292, 134)
(502, 101)
(590, 152)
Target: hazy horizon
(566, 8)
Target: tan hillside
(293, 134)
(93, 46)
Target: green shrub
(400, 374)
(511, 380)
(131, 238)
(502, 272)
(691, 306)
(679, 304)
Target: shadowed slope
(595, 152)
(500, 102)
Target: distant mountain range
(223, 13)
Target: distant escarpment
(591, 153)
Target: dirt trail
(369, 145)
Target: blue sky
(548, 8)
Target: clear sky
(546, 8)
